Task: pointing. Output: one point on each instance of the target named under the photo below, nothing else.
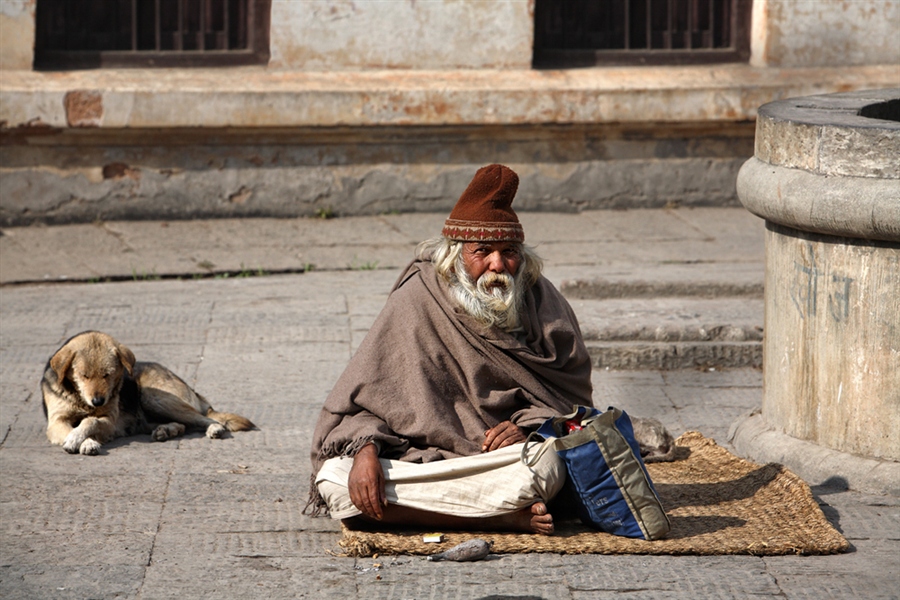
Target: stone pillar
(826, 178)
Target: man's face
(495, 257)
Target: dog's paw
(90, 447)
(215, 431)
(167, 431)
(73, 442)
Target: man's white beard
(495, 299)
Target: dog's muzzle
(98, 401)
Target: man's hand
(504, 434)
(366, 483)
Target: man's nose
(495, 262)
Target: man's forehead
(491, 245)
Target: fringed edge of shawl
(315, 504)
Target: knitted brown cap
(484, 211)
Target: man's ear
(61, 362)
(126, 356)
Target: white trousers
(484, 485)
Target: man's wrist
(375, 444)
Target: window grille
(72, 34)
(580, 33)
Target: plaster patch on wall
(84, 108)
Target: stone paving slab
(844, 576)
(675, 578)
(45, 581)
(596, 243)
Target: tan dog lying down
(94, 392)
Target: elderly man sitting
(473, 349)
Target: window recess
(584, 33)
(82, 34)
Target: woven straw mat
(717, 504)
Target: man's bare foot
(534, 519)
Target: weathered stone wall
(125, 175)
(347, 35)
(811, 33)
(369, 107)
(86, 145)
(329, 35)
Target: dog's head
(91, 366)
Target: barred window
(581, 33)
(73, 34)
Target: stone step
(670, 356)
(727, 276)
(672, 332)
(609, 288)
(673, 319)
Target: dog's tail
(231, 421)
(657, 455)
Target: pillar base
(753, 438)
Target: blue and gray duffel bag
(605, 472)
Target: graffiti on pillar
(805, 289)
(811, 282)
(839, 297)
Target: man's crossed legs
(494, 491)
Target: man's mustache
(490, 280)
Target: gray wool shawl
(428, 381)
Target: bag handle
(530, 462)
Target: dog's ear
(126, 356)
(61, 361)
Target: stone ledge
(828, 134)
(856, 207)
(259, 98)
(597, 289)
(670, 356)
(755, 439)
